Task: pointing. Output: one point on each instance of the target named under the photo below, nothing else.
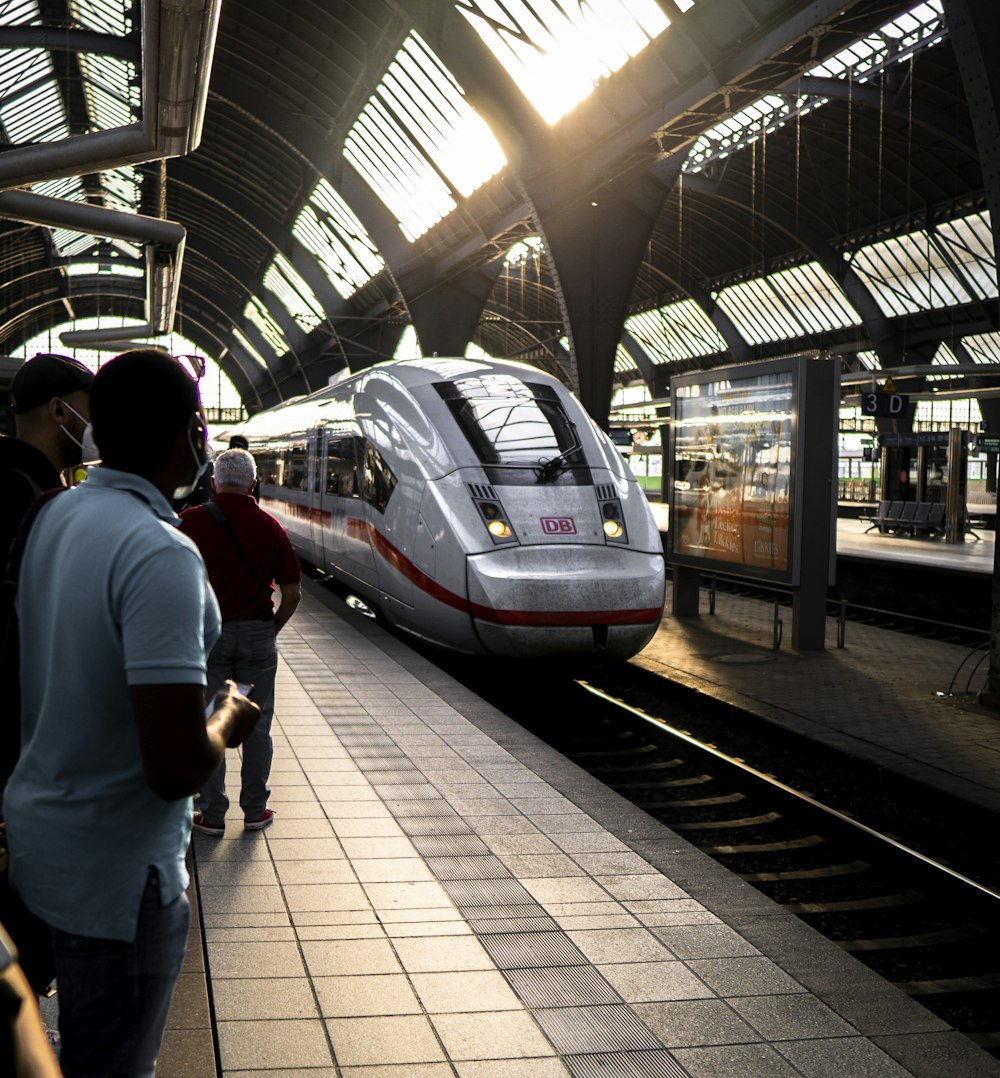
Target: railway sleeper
(823, 872)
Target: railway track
(880, 871)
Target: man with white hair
(246, 552)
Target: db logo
(558, 525)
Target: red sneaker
(216, 830)
(265, 819)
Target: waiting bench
(918, 519)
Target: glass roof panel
(247, 347)
(105, 16)
(111, 90)
(329, 229)
(908, 274)
(69, 244)
(416, 132)
(557, 52)
(968, 243)
(870, 360)
(624, 363)
(256, 313)
(113, 269)
(758, 312)
(983, 347)
(285, 281)
(35, 116)
(397, 172)
(677, 331)
(815, 299)
(19, 12)
(919, 28)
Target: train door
(348, 548)
(315, 476)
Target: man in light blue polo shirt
(116, 618)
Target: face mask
(201, 464)
(88, 447)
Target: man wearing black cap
(50, 397)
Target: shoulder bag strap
(218, 514)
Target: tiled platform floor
(443, 895)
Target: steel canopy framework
(294, 267)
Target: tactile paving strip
(595, 1029)
(505, 892)
(484, 867)
(448, 845)
(566, 986)
(536, 950)
(654, 1064)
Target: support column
(596, 246)
(447, 314)
(974, 28)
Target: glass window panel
(36, 117)
(114, 269)
(815, 298)
(256, 313)
(418, 115)
(896, 41)
(290, 287)
(758, 313)
(249, 349)
(69, 244)
(105, 16)
(983, 347)
(969, 244)
(111, 100)
(557, 52)
(329, 229)
(675, 332)
(909, 274)
(870, 360)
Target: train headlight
(612, 529)
(499, 529)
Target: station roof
(337, 165)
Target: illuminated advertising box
(736, 468)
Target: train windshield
(510, 422)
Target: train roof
(328, 405)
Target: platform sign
(884, 405)
(737, 466)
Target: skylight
(950, 264)
(329, 229)
(111, 90)
(675, 332)
(796, 302)
(624, 363)
(418, 141)
(247, 347)
(861, 61)
(256, 313)
(32, 109)
(558, 52)
(524, 250)
(285, 281)
(983, 347)
(113, 269)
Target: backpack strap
(218, 514)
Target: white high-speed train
(473, 503)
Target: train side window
(378, 479)
(267, 468)
(341, 468)
(294, 474)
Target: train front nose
(565, 600)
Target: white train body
(449, 494)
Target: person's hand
(241, 713)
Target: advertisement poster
(732, 481)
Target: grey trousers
(246, 651)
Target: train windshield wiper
(551, 468)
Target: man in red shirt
(246, 552)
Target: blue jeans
(246, 651)
(114, 997)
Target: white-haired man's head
(235, 472)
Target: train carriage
(472, 502)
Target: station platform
(443, 894)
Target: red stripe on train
(554, 618)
